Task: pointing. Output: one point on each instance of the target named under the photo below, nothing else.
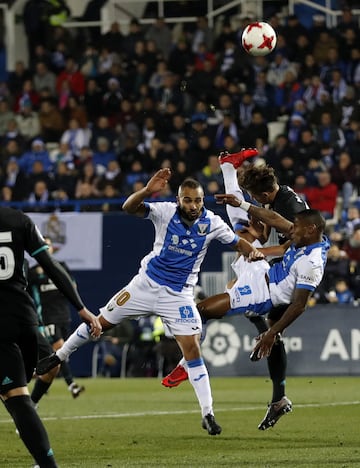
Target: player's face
(191, 202)
(300, 233)
(261, 197)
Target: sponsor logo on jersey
(6, 381)
(179, 246)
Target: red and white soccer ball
(258, 38)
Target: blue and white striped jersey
(301, 267)
(179, 249)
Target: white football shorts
(250, 294)
(142, 296)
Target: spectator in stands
(211, 172)
(44, 78)
(112, 98)
(160, 33)
(75, 136)
(345, 176)
(102, 155)
(15, 179)
(202, 34)
(288, 92)
(352, 245)
(51, 121)
(113, 38)
(111, 194)
(307, 147)
(27, 95)
(295, 126)
(341, 293)
(351, 221)
(39, 197)
(329, 132)
(226, 127)
(257, 129)
(17, 77)
(5, 115)
(64, 182)
(134, 35)
(337, 86)
(113, 175)
(338, 267)
(89, 62)
(93, 100)
(103, 129)
(11, 149)
(170, 92)
(38, 152)
(28, 122)
(180, 56)
(74, 110)
(136, 173)
(323, 197)
(73, 76)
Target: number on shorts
(123, 297)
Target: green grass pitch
(137, 422)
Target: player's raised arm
(134, 204)
(269, 217)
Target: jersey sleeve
(224, 233)
(34, 241)
(309, 274)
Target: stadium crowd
(92, 116)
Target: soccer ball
(258, 38)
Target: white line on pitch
(166, 413)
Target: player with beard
(168, 274)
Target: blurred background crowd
(92, 115)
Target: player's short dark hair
(258, 179)
(190, 183)
(312, 217)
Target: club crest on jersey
(203, 229)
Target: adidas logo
(6, 381)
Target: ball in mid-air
(258, 38)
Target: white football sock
(199, 379)
(79, 337)
(232, 187)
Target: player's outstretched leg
(280, 404)
(236, 159)
(177, 375)
(79, 337)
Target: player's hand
(158, 181)
(264, 344)
(93, 321)
(255, 255)
(227, 199)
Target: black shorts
(18, 359)
(276, 313)
(57, 331)
(44, 347)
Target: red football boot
(175, 377)
(236, 159)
